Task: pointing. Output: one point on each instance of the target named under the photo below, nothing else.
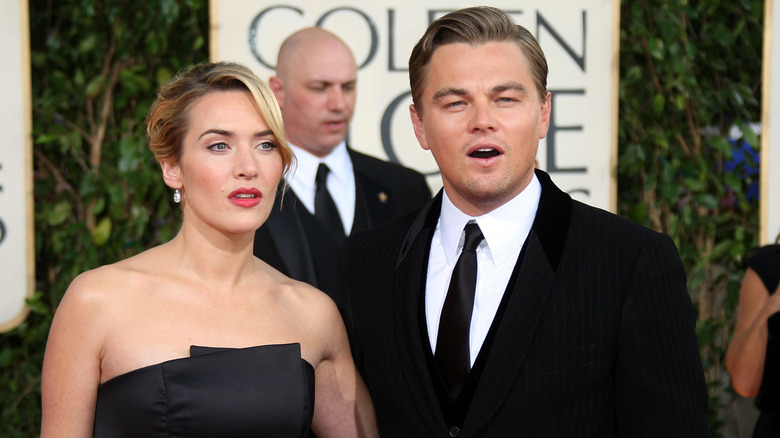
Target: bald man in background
(316, 86)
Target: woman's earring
(176, 196)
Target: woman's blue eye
(218, 147)
(267, 145)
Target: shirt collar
(306, 165)
(505, 228)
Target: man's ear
(171, 174)
(546, 110)
(419, 132)
(277, 86)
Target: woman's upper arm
(747, 349)
(71, 364)
(343, 406)
(753, 297)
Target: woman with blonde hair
(196, 337)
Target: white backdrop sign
(17, 254)
(770, 121)
(580, 40)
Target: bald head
(305, 42)
(316, 86)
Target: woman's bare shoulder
(308, 302)
(109, 283)
(289, 288)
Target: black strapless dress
(264, 391)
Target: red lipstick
(245, 197)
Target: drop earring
(176, 196)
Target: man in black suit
(560, 319)
(316, 86)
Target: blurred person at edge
(753, 356)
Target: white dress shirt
(505, 229)
(341, 181)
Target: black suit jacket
(293, 242)
(596, 336)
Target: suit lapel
(372, 203)
(362, 219)
(287, 233)
(408, 287)
(517, 328)
(515, 334)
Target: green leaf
(88, 43)
(733, 181)
(100, 206)
(694, 185)
(656, 46)
(722, 145)
(36, 304)
(750, 136)
(59, 213)
(658, 103)
(720, 249)
(102, 232)
(94, 85)
(78, 78)
(707, 200)
(199, 43)
(46, 138)
(679, 102)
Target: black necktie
(452, 343)
(324, 208)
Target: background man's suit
(587, 341)
(295, 243)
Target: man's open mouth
(484, 153)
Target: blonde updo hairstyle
(168, 119)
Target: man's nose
(482, 117)
(336, 99)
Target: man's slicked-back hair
(474, 26)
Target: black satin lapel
(363, 216)
(286, 230)
(515, 334)
(552, 219)
(366, 213)
(409, 285)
